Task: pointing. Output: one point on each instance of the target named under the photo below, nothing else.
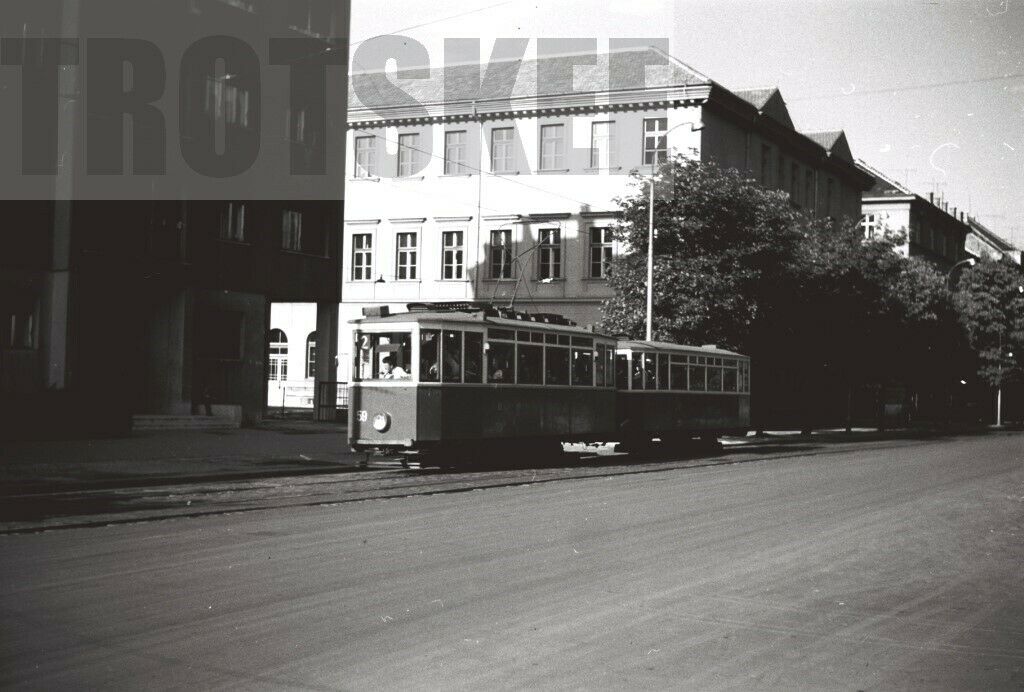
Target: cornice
(529, 107)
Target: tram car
(454, 382)
(677, 393)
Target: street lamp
(970, 262)
(999, 386)
(694, 127)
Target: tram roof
(478, 318)
(681, 348)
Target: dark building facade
(110, 308)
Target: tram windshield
(383, 356)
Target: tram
(677, 393)
(449, 383)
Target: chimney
(961, 217)
(931, 197)
(954, 212)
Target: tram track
(67, 509)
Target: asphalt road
(893, 567)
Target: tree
(819, 308)
(990, 302)
(718, 238)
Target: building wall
(931, 232)
(121, 293)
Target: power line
(434, 21)
(913, 87)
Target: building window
(602, 144)
(794, 182)
(809, 190)
(452, 254)
(311, 355)
(291, 230)
(405, 256)
(362, 257)
(600, 252)
(278, 355)
(232, 222)
(870, 224)
(501, 149)
(829, 192)
(655, 140)
(550, 254)
(310, 16)
(20, 329)
(408, 155)
(766, 161)
(295, 125)
(366, 157)
(780, 174)
(552, 147)
(501, 254)
(226, 101)
(455, 152)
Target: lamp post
(999, 386)
(694, 127)
(970, 262)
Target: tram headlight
(381, 422)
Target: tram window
(451, 357)
(522, 335)
(649, 371)
(609, 367)
(531, 359)
(698, 373)
(474, 357)
(551, 338)
(662, 371)
(729, 379)
(745, 382)
(536, 337)
(429, 352)
(383, 356)
(563, 339)
(678, 373)
(508, 334)
(714, 379)
(599, 365)
(582, 367)
(557, 366)
(621, 371)
(638, 372)
(500, 362)
(582, 341)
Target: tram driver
(390, 371)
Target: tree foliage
(990, 300)
(744, 268)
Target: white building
(458, 190)
(982, 242)
(932, 231)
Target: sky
(931, 92)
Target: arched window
(278, 355)
(311, 355)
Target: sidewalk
(274, 448)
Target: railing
(302, 394)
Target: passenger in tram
(390, 371)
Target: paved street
(877, 566)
